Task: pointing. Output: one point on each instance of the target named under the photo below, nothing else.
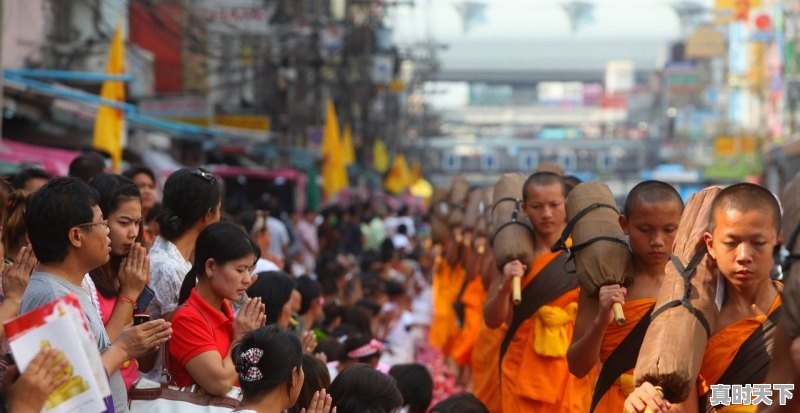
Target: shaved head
(745, 197)
(651, 192)
(543, 179)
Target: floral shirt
(167, 271)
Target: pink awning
(53, 160)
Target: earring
(210, 277)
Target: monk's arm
(584, 351)
(497, 308)
(782, 371)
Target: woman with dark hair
(192, 201)
(269, 362)
(145, 180)
(205, 329)
(275, 289)
(316, 380)
(416, 386)
(115, 286)
(361, 388)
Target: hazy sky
(541, 19)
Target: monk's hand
(510, 270)
(644, 397)
(608, 295)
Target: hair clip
(252, 356)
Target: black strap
(514, 216)
(561, 244)
(751, 363)
(550, 284)
(687, 273)
(622, 359)
(458, 304)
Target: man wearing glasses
(70, 237)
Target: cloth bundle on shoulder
(512, 235)
(599, 248)
(457, 201)
(439, 212)
(685, 312)
(473, 208)
(485, 212)
(791, 265)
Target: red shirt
(197, 327)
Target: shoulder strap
(551, 283)
(687, 273)
(751, 362)
(514, 214)
(622, 359)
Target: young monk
(485, 366)
(651, 217)
(744, 231)
(534, 373)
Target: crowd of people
(362, 308)
(314, 312)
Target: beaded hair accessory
(251, 372)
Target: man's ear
(623, 223)
(709, 240)
(75, 237)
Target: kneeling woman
(200, 349)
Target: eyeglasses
(91, 224)
(208, 176)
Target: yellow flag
(380, 156)
(347, 146)
(399, 178)
(334, 169)
(109, 125)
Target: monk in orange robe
(651, 218)
(485, 352)
(533, 370)
(472, 300)
(444, 328)
(744, 231)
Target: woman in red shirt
(205, 329)
(118, 283)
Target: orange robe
(723, 346)
(532, 382)
(473, 298)
(614, 399)
(438, 337)
(446, 284)
(485, 367)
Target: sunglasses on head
(208, 176)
